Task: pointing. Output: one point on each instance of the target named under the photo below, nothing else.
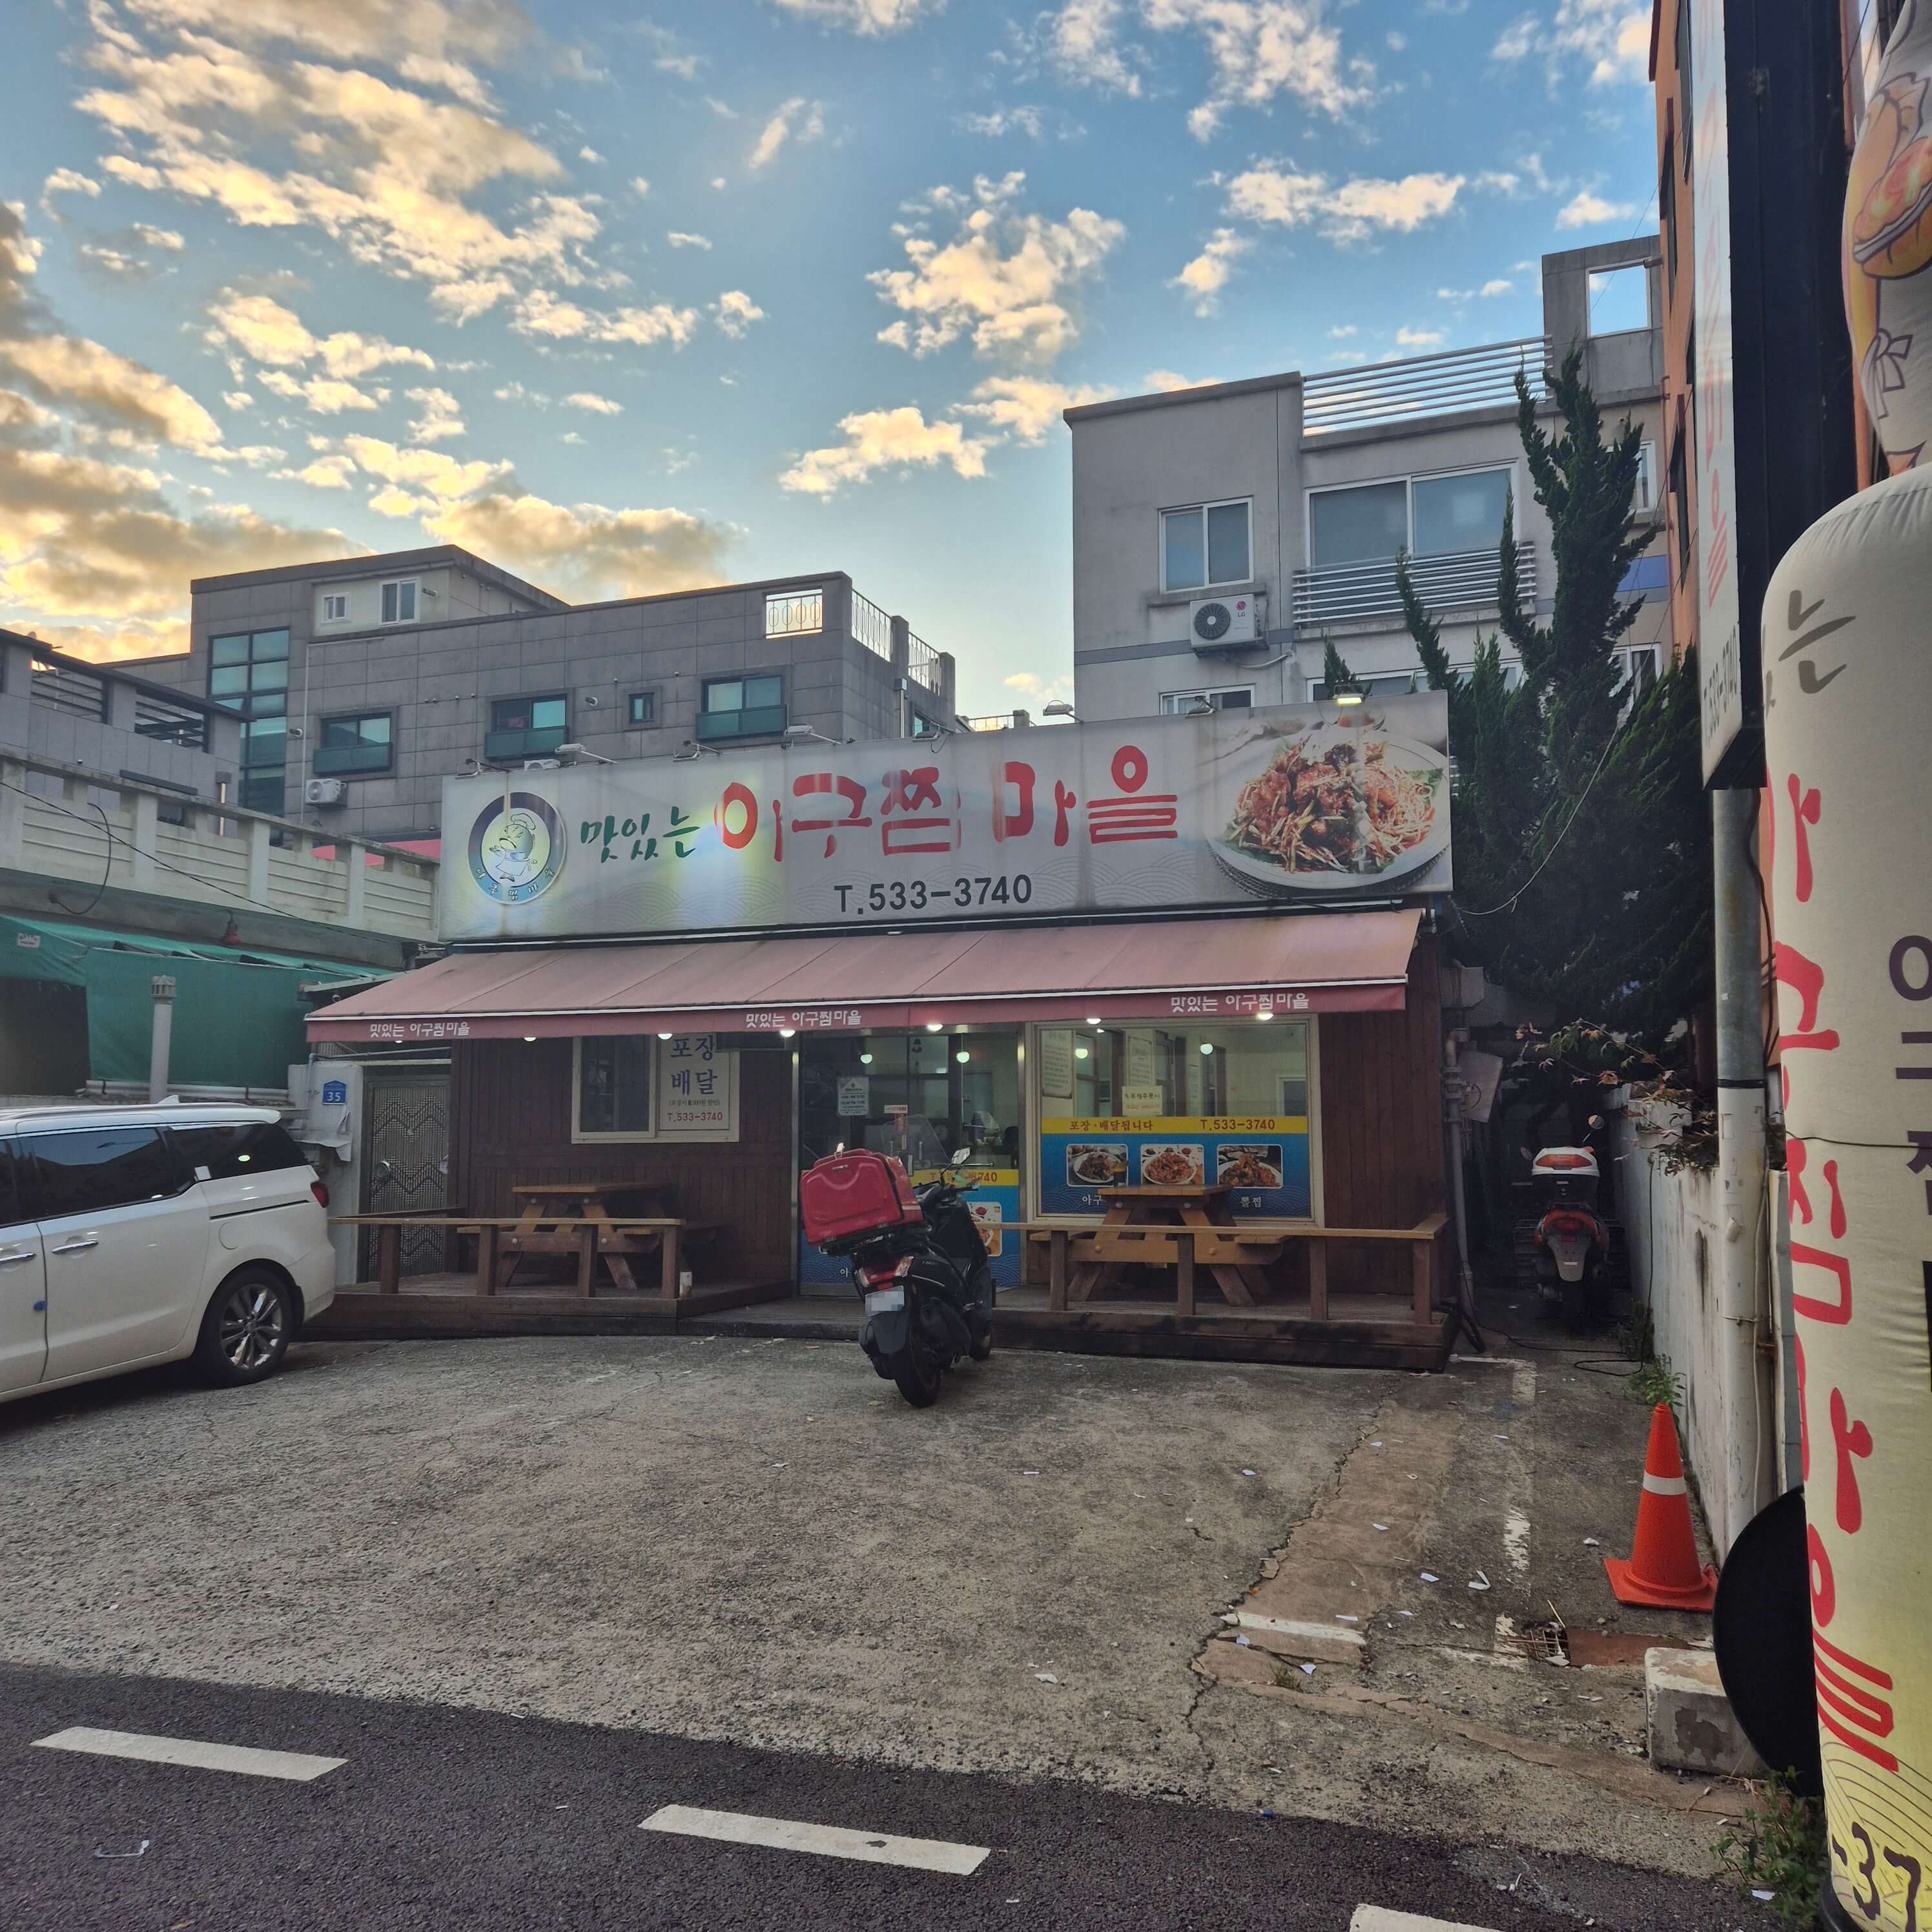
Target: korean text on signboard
(1311, 804)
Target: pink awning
(1198, 969)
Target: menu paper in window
(1056, 1062)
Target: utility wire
(154, 858)
(1505, 905)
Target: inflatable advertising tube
(1848, 732)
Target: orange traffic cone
(1662, 1569)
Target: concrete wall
(1675, 1229)
(110, 745)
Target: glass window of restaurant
(1177, 1104)
(919, 1097)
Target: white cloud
(1396, 42)
(1256, 50)
(796, 119)
(442, 415)
(169, 240)
(1005, 278)
(1028, 407)
(590, 155)
(1203, 277)
(572, 436)
(1166, 379)
(324, 395)
(882, 439)
(1586, 210)
(678, 239)
(1497, 286)
(734, 311)
(587, 550)
(72, 372)
(639, 186)
(1342, 331)
(261, 327)
(325, 472)
(1454, 295)
(1419, 338)
(998, 120)
(1611, 37)
(66, 181)
(1348, 210)
(861, 16)
(596, 405)
(238, 399)
(542, 313)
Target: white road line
(1379, 1919)
(830, 1841)
(296, 1765)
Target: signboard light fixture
(1207, 1046)
(865, 1060)
(665, 1036)
(1266, 1013)
(786, 1033)
(935, 1026)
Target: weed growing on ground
(1653, 1381)
(1778, 1847)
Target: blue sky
(629, 300)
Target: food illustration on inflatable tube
(1326, 807)
(1888, 242)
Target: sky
(631, 300)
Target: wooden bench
(586, 1238)
(1246, 1243)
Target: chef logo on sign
(517, 847)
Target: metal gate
(407, 1139)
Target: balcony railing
(1424, 385)
(1460, 580)
(499, 747)
(170, 724)
(872, 627)
(922, 663)
(61, 688)
(94, 830)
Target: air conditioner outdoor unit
(543, 764)
(324, 791)
(1225, 623)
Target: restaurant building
(1188, 954)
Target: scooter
(1572, 1244)
(916, 1259)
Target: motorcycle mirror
(961, 1155)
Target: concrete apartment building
(1221, 534)
(363, 683)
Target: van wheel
(245, 1333)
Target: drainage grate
(1546, 1643)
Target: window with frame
(1684, 78)
(248, 674)
(644, 708)
(1667, 197)
(749, 706)
(1382, 684)
(399, 601)
(1680, 503)
(613, 1088)
(91, 1169)
(1426, 516)
(334, 607)
(526, 727)
(1619, 300)
(354, 743)
(794, 613)
(1202, 545)
(1644, 498)
(1218, 697)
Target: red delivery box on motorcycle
(847, 1196)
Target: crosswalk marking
(194, 1752)
(1380, 1918)
(831, 1841)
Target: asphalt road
(442, 1817)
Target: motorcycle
(1571, 1243)
(916, 1260)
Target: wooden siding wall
(510, 1125)
(1382, 1122)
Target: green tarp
(238, 1013)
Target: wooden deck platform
(438, 1307)
(1362, 1330)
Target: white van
(133, 1235)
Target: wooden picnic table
(616, 1237)
(564, 1217)
(1133, 1231)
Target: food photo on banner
(1310, 805)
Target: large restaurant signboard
(1314, 804)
